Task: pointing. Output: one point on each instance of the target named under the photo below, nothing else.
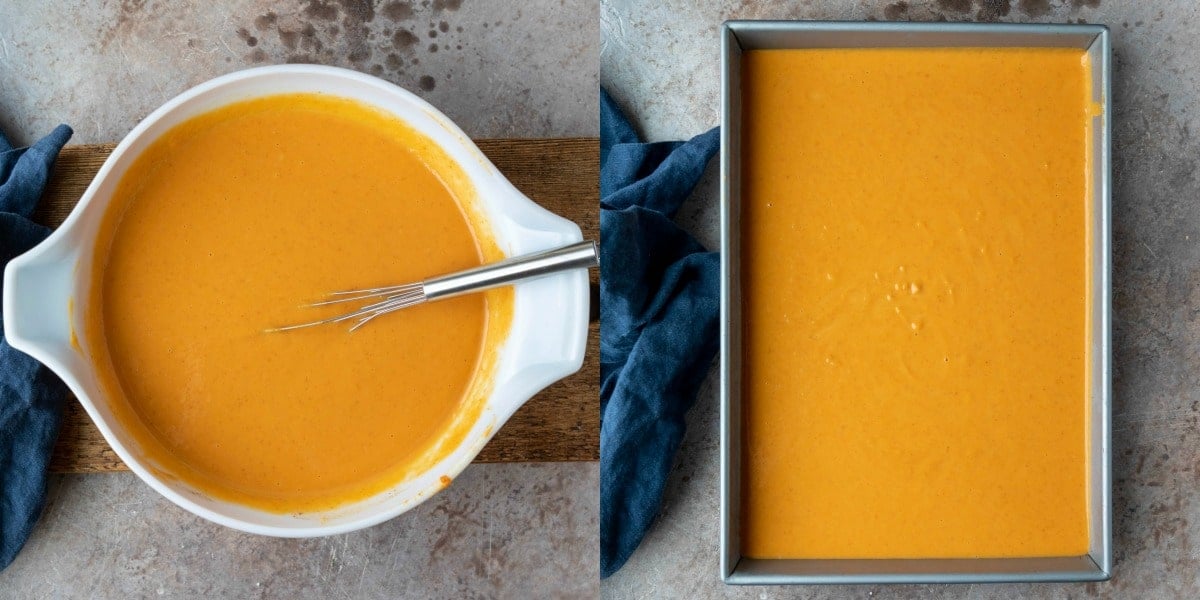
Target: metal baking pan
(737, 36)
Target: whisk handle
(582, 255)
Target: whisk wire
(411, 295)
(367, 294)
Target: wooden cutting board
(560, 424)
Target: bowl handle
(553, 320)
(37, 299)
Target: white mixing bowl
(545, 342)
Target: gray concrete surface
(498, 68)
(661, 61)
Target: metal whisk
(388, 299)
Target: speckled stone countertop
(661, 61)
(499, 69)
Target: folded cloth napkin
(659, 305)
(31, 397)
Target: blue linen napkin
(31, 397)
(659, 310)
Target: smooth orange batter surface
(915, 271)
(222, 229)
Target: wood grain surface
(560, 424)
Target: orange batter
(915, 275)
(219, 231)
